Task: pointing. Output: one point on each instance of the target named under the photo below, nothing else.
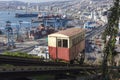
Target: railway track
(23, 71)
(35, 70)
(98, 31)
(21, 61)
(44, 68)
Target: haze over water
(10, 16)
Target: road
(27, 46)
(31, 46)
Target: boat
(36, 20)
(40, 18)
(26, 15)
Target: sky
(33, 0)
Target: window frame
(62, 43)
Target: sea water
(9, 15)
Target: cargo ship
(40, 18)
(26, 15)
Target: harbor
(17, 30)
(59, 40)
(22, 25)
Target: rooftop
(69, 32)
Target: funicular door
(62, 51)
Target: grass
(20, 54)
(44, 77)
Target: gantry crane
(10, 36)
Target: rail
(44, 68)
(31, 61)
(99, 30)
(22, 71)
(34, 70)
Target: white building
(104, 19)
(41, 51)
(21, 7)
(94, 16)
(90, 25)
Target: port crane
(16, 31)
(9, 33)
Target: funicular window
(73, 42)
(62, 43)
(65, 43)
(78, 39)
(59, 42)
(83, 36)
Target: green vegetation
(20, 54)
(44, 77)
(6, 65)
(111, 31)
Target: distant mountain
(101, 0)
(12, 3)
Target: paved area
(24, 45)
(93, 52)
